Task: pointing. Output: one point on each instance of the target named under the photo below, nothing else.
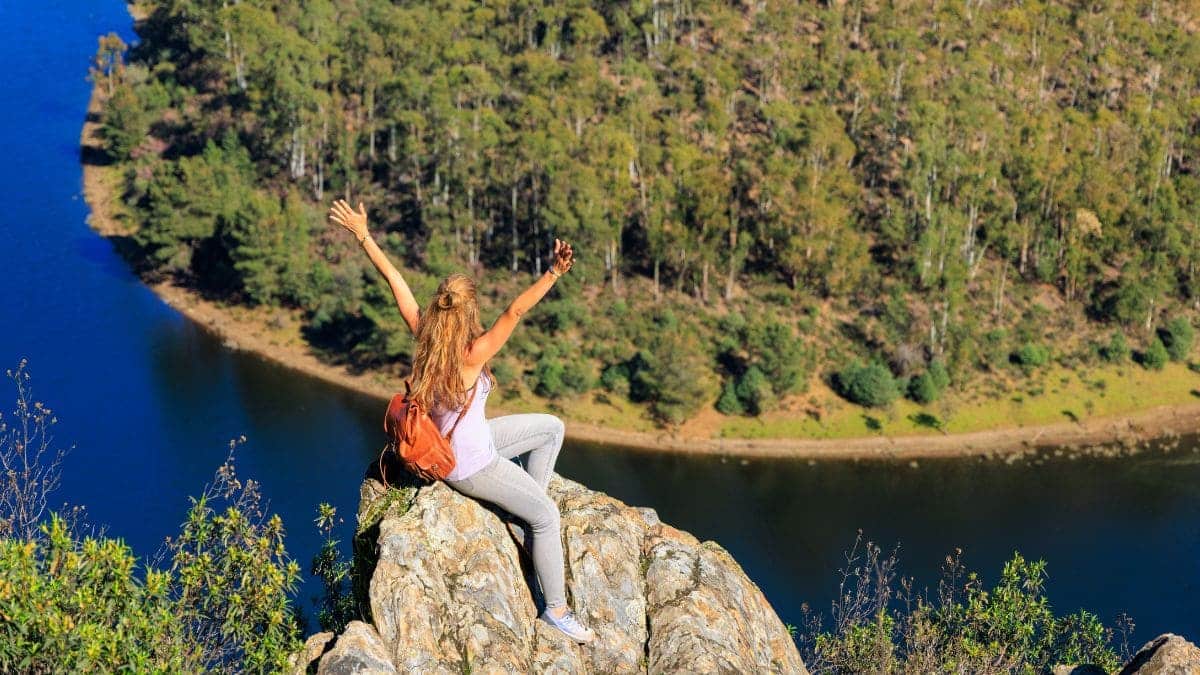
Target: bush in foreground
(964, 627)
(217, 598)
(222, 603)
(78, 605)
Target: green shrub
(766, 346)
(232, 578)
(548, 375)
(1156, 355)
(70, 604)
(870, 385)
(964, 627)
(615, 378)
(555, 316)
(778, 355)
(223, 603)
(555, 376)
(79, 606)
(937, 371)
(504, 372)
(994, 351)
(922, 388)
(577, 377)
(673, 373)
(754, 392)
(337, 606)
(1178, 336)
(1117, 350)
(729, 403)
(1032, 355)
(928, 386)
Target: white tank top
(472, 441)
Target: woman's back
(472, 439)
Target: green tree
(108, 65)
(780, 356)
(672, 373)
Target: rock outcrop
(1167, 654)
(450, 593)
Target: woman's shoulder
(480, 379)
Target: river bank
(276, 337)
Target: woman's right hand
(355, 221)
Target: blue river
(149, 402)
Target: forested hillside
(891, 197)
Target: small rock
(313, 648)
(358, 651)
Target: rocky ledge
(1167, 654)
(449, 593)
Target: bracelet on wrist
(363, 239)
(554, 274)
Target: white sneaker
(569, 625)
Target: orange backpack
(418, 442)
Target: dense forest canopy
(754, 188)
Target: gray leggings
(521, 489)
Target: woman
(450, 373)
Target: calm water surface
(150, 402)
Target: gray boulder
(358, 651)
(1167, 654)
(449, 593)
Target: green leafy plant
(1178, 336)
(1031, 356)
(216, 598)
(80, 606)
(871, 385)
(231, 576)
(1156, 356)
(336, 607)
(1117, 350)
(882, 624)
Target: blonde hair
(444, 332)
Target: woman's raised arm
(486, 345)
(356, 223)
